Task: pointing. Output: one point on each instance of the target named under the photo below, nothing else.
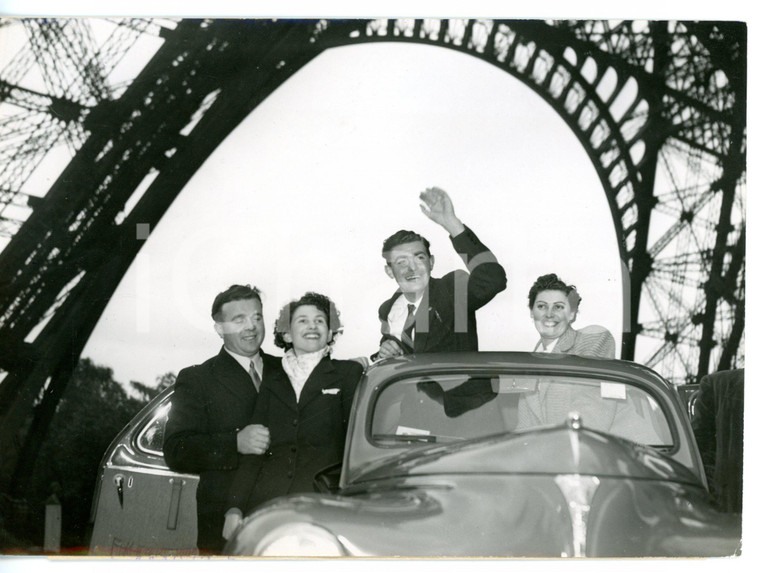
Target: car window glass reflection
(447, 408)
(150, 440)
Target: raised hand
(436, 204)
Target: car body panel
(562, 490)
(140, 505)
(449, 516)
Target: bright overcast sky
(301, 195)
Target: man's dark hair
(235, 292)
(401, 237)
(322, 302)
(553, 282)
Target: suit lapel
(272, 365)
(385, 310)
(532, 404)
(230, 374)
(422, 319)
(323, 375)
(279, 384)
(566, 341)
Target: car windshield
(447, 408)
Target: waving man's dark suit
(307, 435)
(211, 402)
(445, 320)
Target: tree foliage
(92, 411)
(150, 392)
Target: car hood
(566, 449)
(497, 515)
(561, 491)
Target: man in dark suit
(436, 315)
(208, 426)
(718, 425)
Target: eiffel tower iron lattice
(659, 107)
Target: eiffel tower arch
(659, 107)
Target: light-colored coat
(591, 340)
(554, 400)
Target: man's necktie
(254, 376)
(407, 333)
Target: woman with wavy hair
(306, 407)
(554, 307)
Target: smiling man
(208, 427)
(428, 314)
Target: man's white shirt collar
(398, 313)
(245, 362)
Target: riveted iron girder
(643, 98)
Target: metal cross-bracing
(70, 253)
(660, 108)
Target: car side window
(150, 439)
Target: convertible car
(505, 455)
(471, 455)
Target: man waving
(429, 314)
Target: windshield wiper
(426, 438)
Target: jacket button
(292, 448)
(295, 422)
(290, 474)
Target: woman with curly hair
(553, 307)
(306, 407)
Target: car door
(141, 507)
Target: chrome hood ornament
(578, 491)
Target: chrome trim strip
(578, 491)
(159, 472)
